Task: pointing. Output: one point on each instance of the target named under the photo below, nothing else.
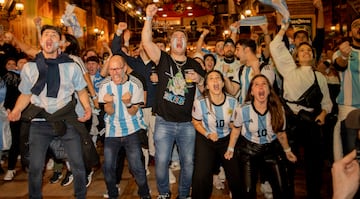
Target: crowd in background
(240, 113)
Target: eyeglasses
(114, 69)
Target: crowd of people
(239, 114)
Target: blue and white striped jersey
(246, 76)
(350, 80)
(215, 118)
(121, 123)
(71, 80)
(255, 127)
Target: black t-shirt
(12, 80)
(174, 100)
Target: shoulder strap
(302, 96)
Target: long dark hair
(274, 105)
(206, 91)
(74, 47)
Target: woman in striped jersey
(212, 118)
(259, 129)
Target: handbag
(311, 98)
(306, 116)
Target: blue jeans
(40, 136)
(112, 146)
(166, 133)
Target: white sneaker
(175, 166)
(89, 178)
(218, 183)
(266, 189)
(172, 178)
(50, 164)
(106, 195)
(10, 174)
(222, 174)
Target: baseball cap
(229, 40)
(300, 30)
(352, 120)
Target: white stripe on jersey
(254, 127)
(218, 118)
(121, 123)
(247, 75)
(350, 81)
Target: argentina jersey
(71, 80)
(350, 81)
(246, 75)
(215, 118)
(245, 78)
(254, 126)
(121, 123)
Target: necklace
(179, 65)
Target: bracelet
(287, 150)
(233, 29)
(94, 97)
(129, 105)
(231, 149)
(202, 36)
(344, 58)
(148, 18)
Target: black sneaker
(68, 179)
(56, 177)
(164, 196)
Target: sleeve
(80, 63)
(137, 96)
(238, 117)
(269, 73)
(25, 83)
(78, 78)
(116, 44)
(102, 92)
(282, 58)
(196, 111)
(318, 43)
(326, 103)
(336, 65)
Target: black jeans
(309, 136)
(207, 157)
(267, 157)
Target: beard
(229, 54)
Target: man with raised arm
(174, 100)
